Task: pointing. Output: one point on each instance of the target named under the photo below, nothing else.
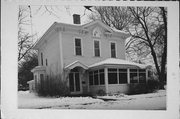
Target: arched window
(97, 32)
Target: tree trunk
(162, 76)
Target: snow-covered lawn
(151, 101)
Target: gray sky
(42, 20)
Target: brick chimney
(76, 19)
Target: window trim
(115, 49)
(99, 47)
(113, 73)
(138, 75)
(93, 75)
(75, 46)
(133, 72)
(122, 72)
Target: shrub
(153, 85)
(53, 86)
(24, 70)
(137, 88)
(101, 92)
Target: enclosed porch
(116, 76)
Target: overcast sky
(42, 20)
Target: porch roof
(76, 64)
(31, 81)
(38, 68)
(114, 61)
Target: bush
(149, 87)
(153, 85)
(101, 92)
(138, 88)
(53, 86)
(24, 70)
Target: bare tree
(25, 41)
(116, 17)
(148, 28)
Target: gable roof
(104, 26)
(75, 26)
(98, 22)
(76, 64)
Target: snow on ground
(151, 101)
(30, 100)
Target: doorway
(74, 81)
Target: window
(96, 77)
(42, 59)
(113, 50)
(133, 76)
(122, 76)
(46, 62)
(78, 46)
(142, 76)
(117, 76)
(96, 48)
(101, 73)
(112, 76)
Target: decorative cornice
(60, 29)
(108, 35)
(82, 32)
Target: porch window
(101, 73)
(142, 76)
(96, 77)
(112, 76)
(133, 76)
(122, 76)
(78, 46)
(113, 50)
(96, 48)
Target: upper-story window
(113, 49)
(46, 62)
(78, 49)
(96, 48)
(42, 59)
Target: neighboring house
(91, 57)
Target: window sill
(97, 57)
(78, 55)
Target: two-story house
(91, 57)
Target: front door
(74, 82)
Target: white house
(91, 57)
